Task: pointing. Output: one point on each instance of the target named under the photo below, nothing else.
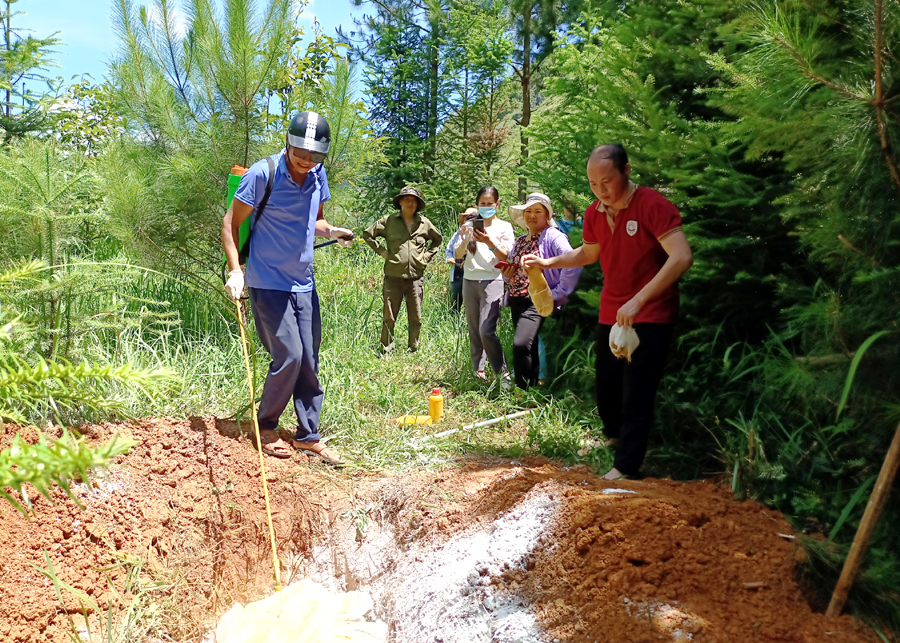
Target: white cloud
(308, 14)
(178, 17)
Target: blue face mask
(487, 213)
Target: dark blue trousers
(290, 328)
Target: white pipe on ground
(478, 425)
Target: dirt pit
(492, 550)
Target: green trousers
(395, 290)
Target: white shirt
(480, 266)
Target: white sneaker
(505, 382)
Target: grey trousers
(482, 301)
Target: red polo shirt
(631, 254)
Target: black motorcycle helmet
(310, 131)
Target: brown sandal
(276, 448)
(319, 450)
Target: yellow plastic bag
(539, 291)
(304, 612)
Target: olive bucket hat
(409, 191)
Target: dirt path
(494, 550)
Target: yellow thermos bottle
(436, 406)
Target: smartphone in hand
(478, 224)
(503, 265)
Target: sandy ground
(492, 550)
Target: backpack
(246, 230)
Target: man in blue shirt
(280, 280)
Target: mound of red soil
(186, 502)
(181, 518)
(657, 560)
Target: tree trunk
(879, 101)
(466, 106)
(6, 36)
(53, 319)
(464, 167)
(431, 148)
(491, 118)
(526, 95)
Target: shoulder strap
(268, 192)
(244, 251)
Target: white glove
(623, 341)
(343, 235)
(235, 284)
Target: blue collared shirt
(281, 248)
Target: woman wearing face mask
(482, 281)
(545, 241)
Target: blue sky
(89, 41)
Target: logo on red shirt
(631, 228)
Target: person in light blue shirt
(569, 221)
(456, 269)
(280, 279)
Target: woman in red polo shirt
(636, 234)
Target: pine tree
(24, 61)
(397, 80)
(402, 46)
(538, 25)
(774, 131)
(818, 89)
(473, 148)
(195, 97)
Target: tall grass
(365, 392)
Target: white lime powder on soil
(447, 595)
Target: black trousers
(527, 322)
(456, 286)
(626, 391)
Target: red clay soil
(186, 502)
(614, 565)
